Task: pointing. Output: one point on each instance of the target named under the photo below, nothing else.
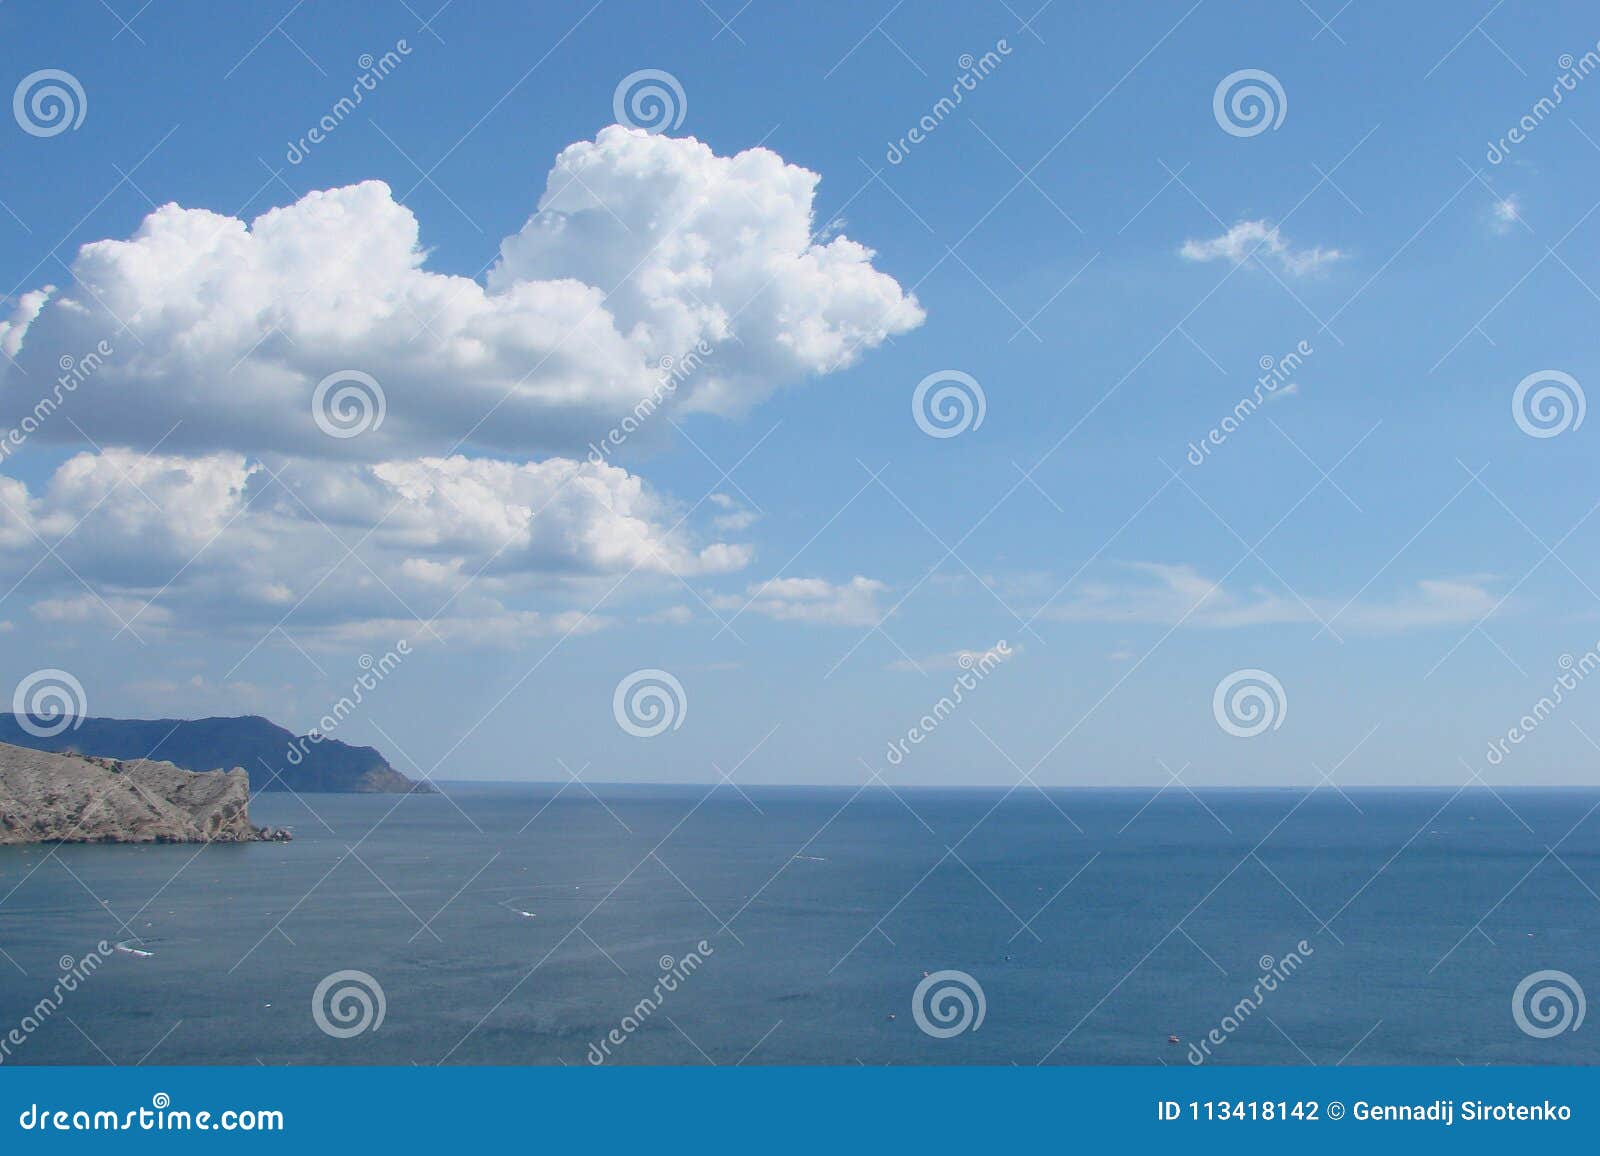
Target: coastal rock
(47, 798)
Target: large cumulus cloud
(245, 543)
(642, 247)
(213, 333)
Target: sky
(921, 394)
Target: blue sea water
(1096, 923)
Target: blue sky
(1082, 236)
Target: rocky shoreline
(60, 798)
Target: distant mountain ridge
(257, 744)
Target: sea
(693, 925)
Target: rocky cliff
(275, 759)
(47, 798)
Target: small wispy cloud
(735, 517)
(1175, 595)
(957, 659)
(852, 603)
(1259, 240)
(671, 615)
(1507, 212)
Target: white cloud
(1259, 240)
(1507, 212)
(201, 696)
(493, 627)
(958, 659)
(548, 515)
(1168, 595)
(91, 608)
(736, 519)
(714, 249)
(853, 603)
(642, 247)
(1433, 602)
(670, 615)
(244, 542)
(219, 331)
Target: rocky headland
(49, 798)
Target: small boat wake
(127, 948)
